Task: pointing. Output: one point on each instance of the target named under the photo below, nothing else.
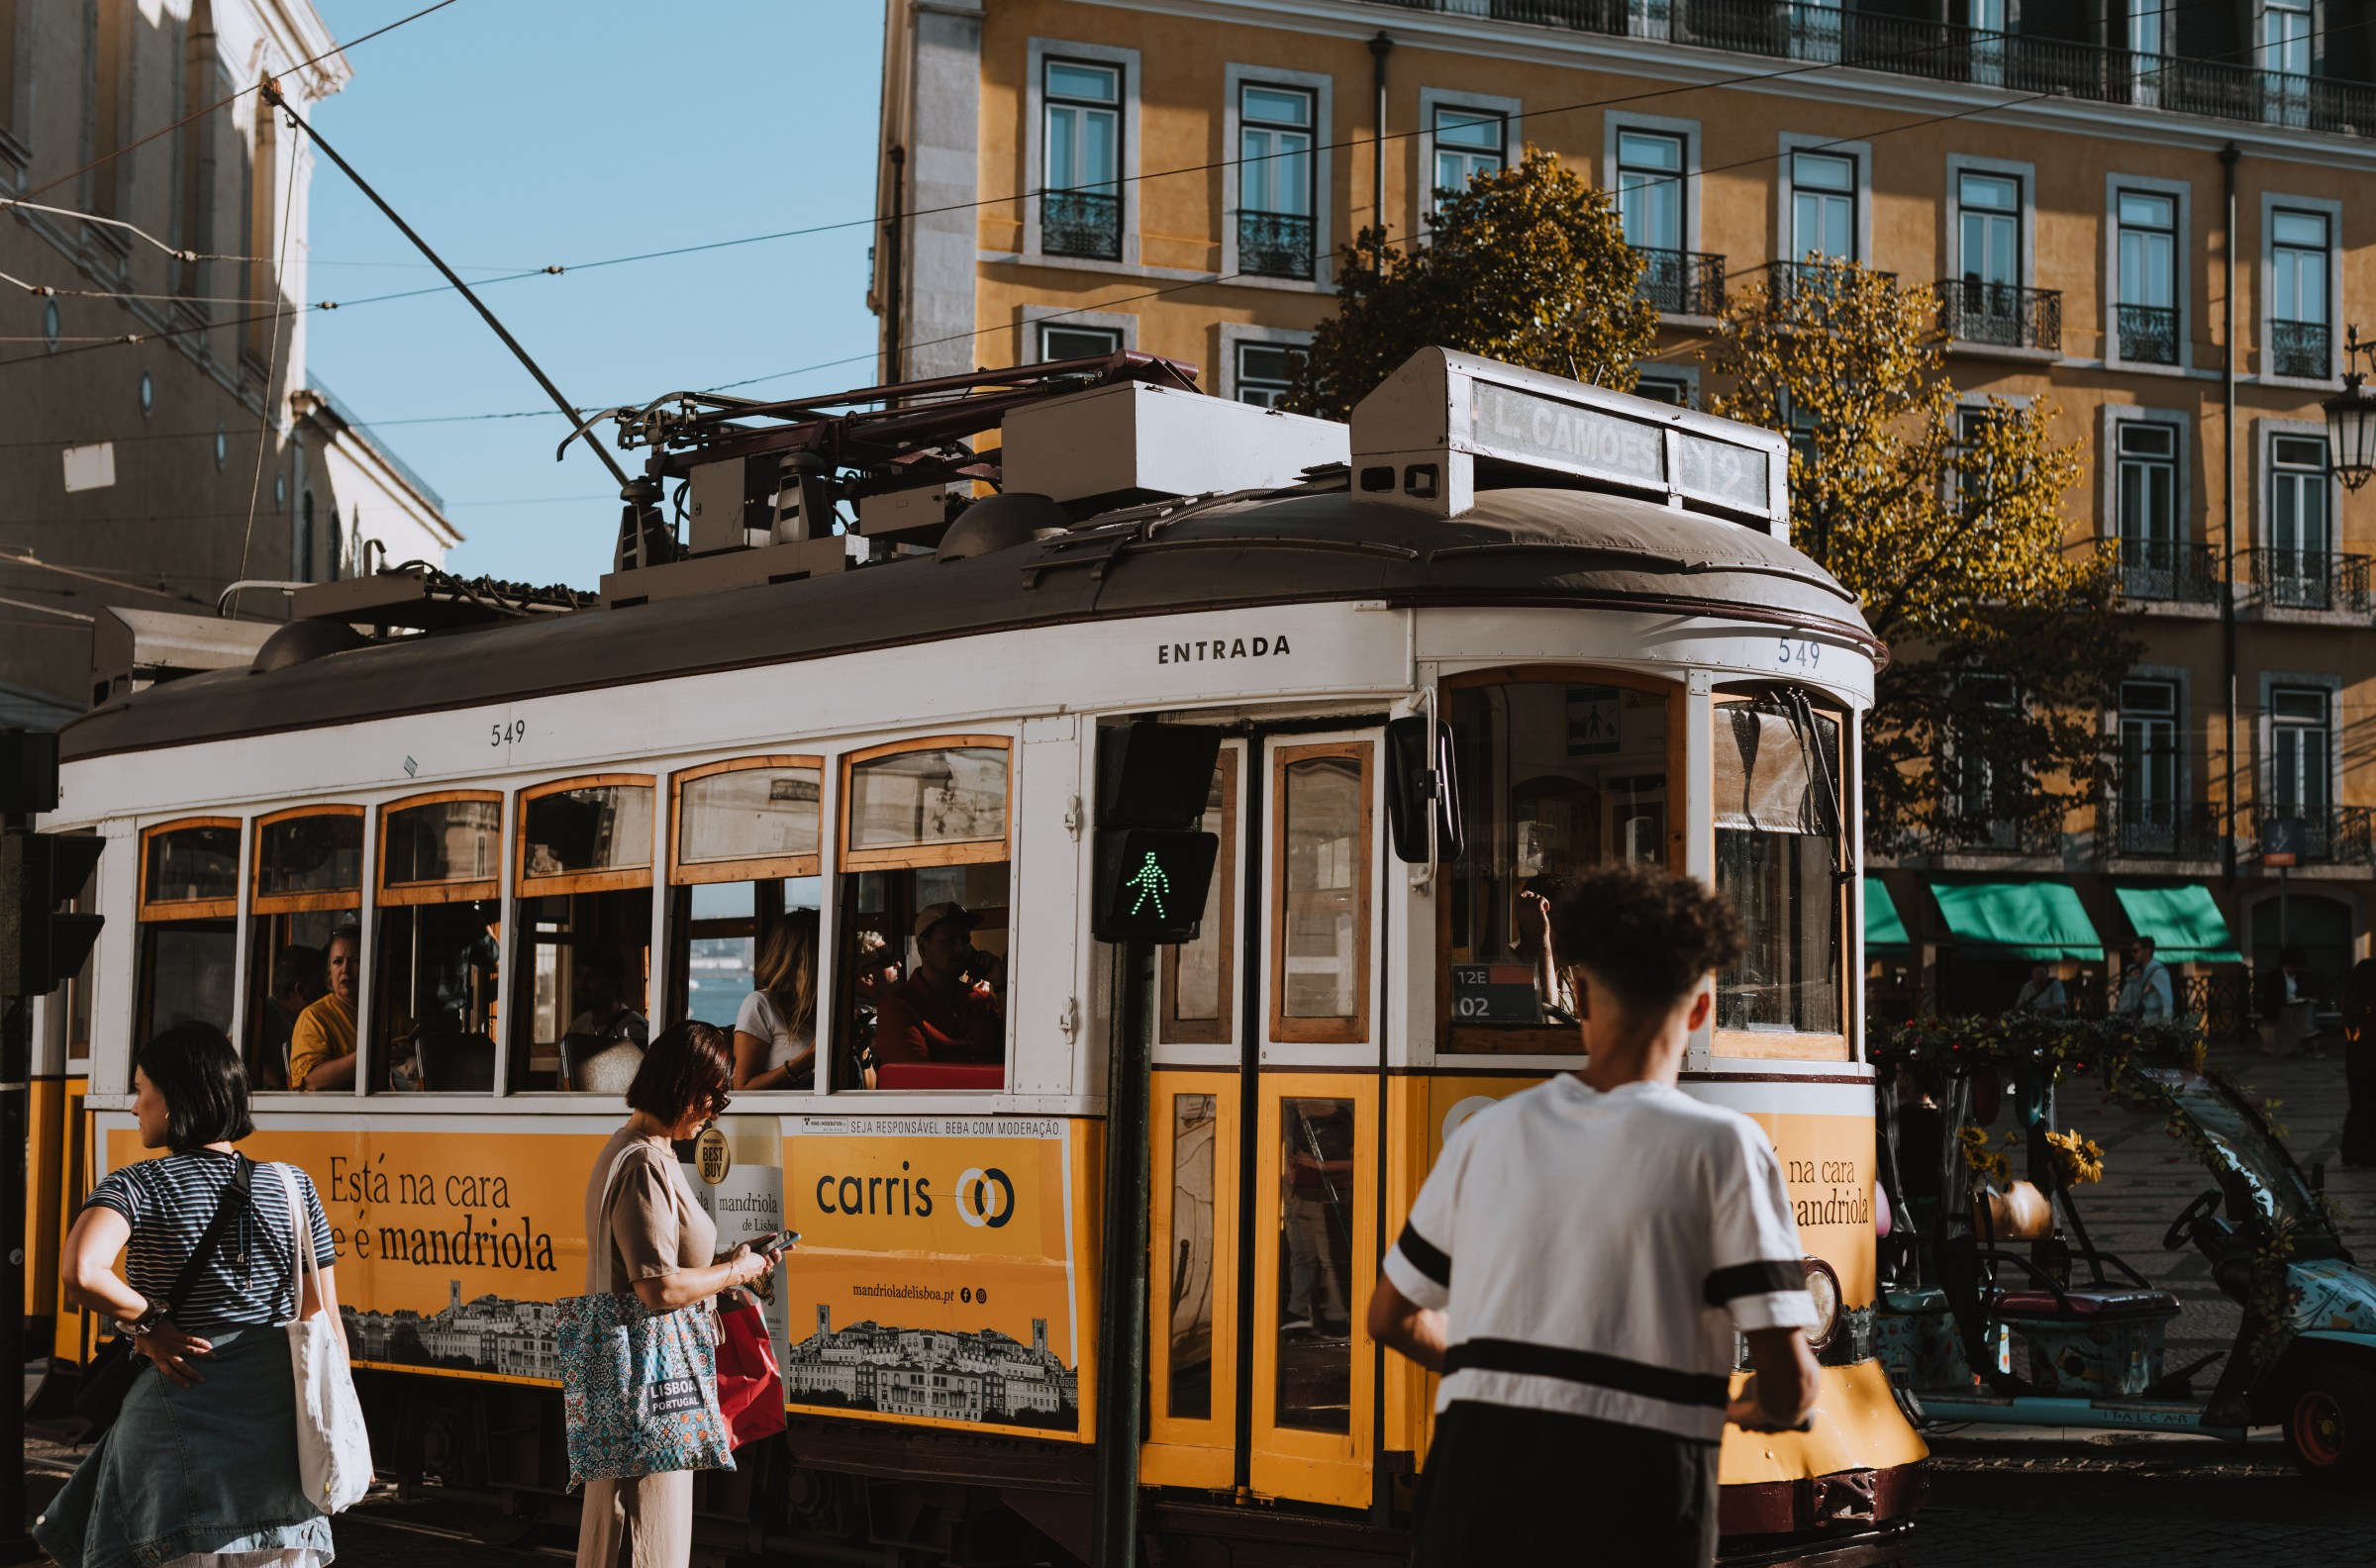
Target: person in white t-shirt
(776, 1030)
(1579, 1259)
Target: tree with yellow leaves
(1947, 523)
(1527, 265)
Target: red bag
(750, 1391)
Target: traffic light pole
(1122, 1306)
(16, 1073)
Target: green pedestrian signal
(1151, 883)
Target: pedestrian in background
(2042, 994)
(2146, 993)
(661, 1245)
(1578, 1263)
(2359, 1063)
(2293, 1008)
(201, 1465)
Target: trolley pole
(1122, 1306)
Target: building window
(1649, 189)
(1265, 371)
(1468, 142)
(1080, 204)
(2300, 339)
(2148, 277)
(1275, 180)
(2285, 35)
(1989, 208)
(2153, 563)
(1675, 391)
(2300, 747)
(2299, 567)
(2148, 743)
(1060, 341)
(1823, 206)
(1988, 801)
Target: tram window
(1190, 1396)
(188, 925)
(309, 882)
(437, 946)
(744, 911)
(583, 942)
(921, 965)
(1777, 849)
(1557, 774)
(1319, 939)
(1316, 1266)
(77, 1002)
(1199, 977)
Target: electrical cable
(263, 424)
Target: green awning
(1884, 932)
(2039, 920)
(2184, 923)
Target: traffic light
(41, 947)
(1153, 866)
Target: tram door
(1264, 1173)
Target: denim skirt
(205, 1469)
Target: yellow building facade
(2142, 215)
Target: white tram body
(1592, 593)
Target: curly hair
(1647, 933)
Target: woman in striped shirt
(200, 1469)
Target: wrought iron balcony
(2331, 835)
(2027, 829)
(2299, 579)
(1682, 283)
(2149, 334)
(1274, 245)
(1081, 222)
(1946, 51)
(2001, 315)
(2166, 571)
(2157, 829)
(2300, 348)
(1804, 291)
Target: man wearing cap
(940, 1014)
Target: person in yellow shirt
(322, 1045)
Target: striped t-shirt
(251, 1280)
(1595, 1251)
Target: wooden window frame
(153, 911)
(755, 868)
(1795, 1044)
(262, 903)
(568, 882)
(971, 852)
(1170, 1028)
(403, 895)
(1336, 1029)
(1553, 1039)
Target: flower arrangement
(1939, 1049)
(2077, 1160)
(1981, 1157)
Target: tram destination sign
(1512, 421)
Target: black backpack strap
(235, 1199)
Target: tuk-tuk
(1998, 1308)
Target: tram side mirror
(1419, 780)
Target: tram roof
(1524, 546)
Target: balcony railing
(1804, 290)
(1081, 222)
(2166, 571)
(2001, 315)
(2300, 348)
(2301, 579)
(2331, 835)
(1945, 52)
(2157, 829)
(2031, 832)
(2148, 334)
(1275, 245)
(1682, 283)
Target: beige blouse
(653, 1225)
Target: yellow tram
(532, 813)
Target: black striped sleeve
(1425, 1256)
(1752, 1279)
(1671, 1384)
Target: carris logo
(985, 1198)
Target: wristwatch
(149, 1319)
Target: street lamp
(2351, 420)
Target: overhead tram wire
(263, 424)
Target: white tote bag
(334, 1449)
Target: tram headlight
(1824, 1285)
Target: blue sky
(518, 134)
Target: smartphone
(777, 1242)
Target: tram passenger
(665, 1247)
(948, 1010)
(300, 975)
(322, 1045)
(775, 1030)
(201, 1465)
(604, 1044)
(1612, 1233)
